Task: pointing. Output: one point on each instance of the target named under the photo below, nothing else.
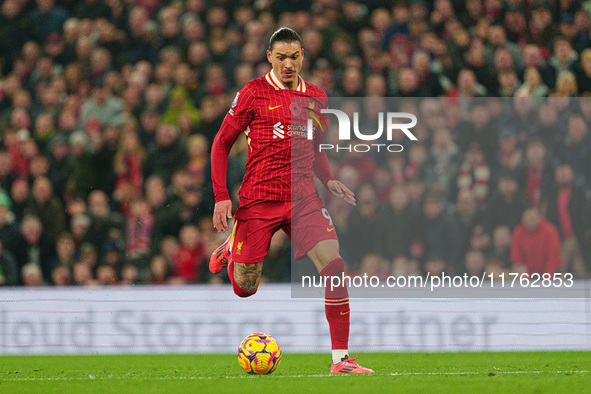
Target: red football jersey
(274, 120)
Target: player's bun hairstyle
(285, 34)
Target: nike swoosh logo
(277, 106)
(344, 313)
(329, 229)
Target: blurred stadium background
(107, 114)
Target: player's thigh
(313, 232)
(251, 239)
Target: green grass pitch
(524, 372)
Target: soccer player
(275, 195)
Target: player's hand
(338, 189)
(222, 211)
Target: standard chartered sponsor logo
(292, 130)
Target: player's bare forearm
(222, 211)
(340, 190)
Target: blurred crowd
(108, 109)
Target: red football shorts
(305, 221)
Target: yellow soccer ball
(259, 353)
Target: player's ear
(302, 53)
(269, 56)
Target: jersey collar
(276, 83)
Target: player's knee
(240, 292)
(335, 267)
(244, 289)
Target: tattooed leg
(248, 276)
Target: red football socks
(336, 305)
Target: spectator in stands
(564, 56)
(396, 219)
(19, 196)
(140, 222)
(542, 30)
(82, 275)
(566, 208)
(470, 221)
(575, 148)
(104, 156)
(58, 151)
(533, 85)
(104, 106)
(16, 30)
(127, 163)
(351, 83)
(34, 247)
(92, 9)
(8, 229)
(468, 86)
(443, 162)
(159, 271)
(508, 83)
(584, 73)
(9, 273)
(535, 245)
(47, 18)
(506, 204)
(479, 129)
(536, 172)
(6, 175)
(211, 119)
(501, 246)
(104, 223)
(81, 171)
(88, 255)
(415, 167)
(510, 154)
(106, 275)
(181, 107)
(61, 276)
(566, 84)
(65, 251)
(129, 275)
(362, 222)
(548, 123)
(47, 207)
(167, 154)
(32, 275)
(189, 259)
(474, 174)
(80, 229)
(475, 263)
(437, 233)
